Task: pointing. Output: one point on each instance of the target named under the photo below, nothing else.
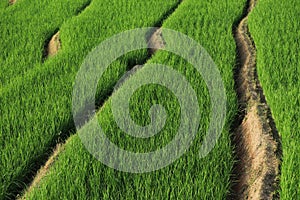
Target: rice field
(43, 155)
(36, 107)
(188, 176)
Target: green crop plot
(37, 91)
(35, 108)
(3, 5)
(77, 175)
(25, 27)
(275, 26)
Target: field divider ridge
(258, 146)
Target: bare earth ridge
(256, 138)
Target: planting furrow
(257, 141)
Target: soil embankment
(256, 138)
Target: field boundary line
(258, 146)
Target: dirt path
(257, 141)
(154, 40)
(53, 46)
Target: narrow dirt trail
(155, 39)
(51, 47)
(256, 138)
(42, 172)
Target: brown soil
(256, 138)
(54, 45)
(11, 2)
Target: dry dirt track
(258, 147)
(43, 171)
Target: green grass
(35, 109)
(24, 28)
(275, 26)
(3, 5)
(77, 175)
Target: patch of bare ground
(53, 46)
(257, 141)
(12, 2)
